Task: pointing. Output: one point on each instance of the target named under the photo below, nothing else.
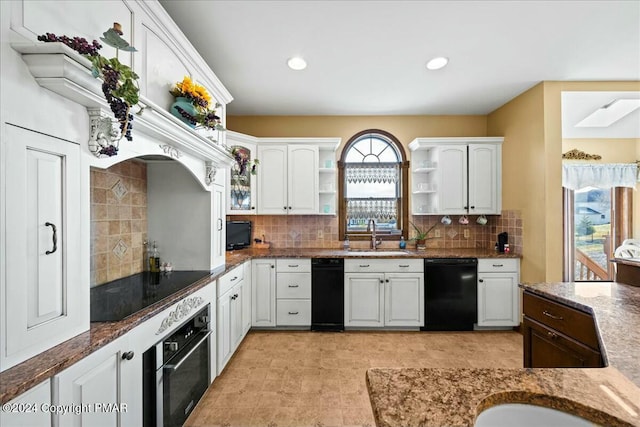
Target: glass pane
(592, 234)
(384, 211)
(241, 182)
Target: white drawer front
(293, 265)
(229, 280)
(296, 312)
(496, 265)
(378, 265)
(293, 285)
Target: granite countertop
(22, 377)
(607, 396)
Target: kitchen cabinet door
(45, 288)
(302, 180)
(364, 299)
(26, 409)
(236, 316)
(103, 383)
(404, 299)
(263, 292)
(452, 170)
(498, 299)
(485, 187)
(272, 180)
(242, 199)
(219, 226)
(246, 298)
(545, 347)
(223, 329)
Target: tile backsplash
(118, 221)
(311, 231)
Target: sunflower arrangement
(204, 114)
(197, 94)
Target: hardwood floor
(285, 378)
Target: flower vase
(187, 106)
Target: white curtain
(576, 176)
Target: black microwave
(238, 234)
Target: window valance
(609, 175)
(371, 172)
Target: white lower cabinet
(404, 299)
(263, 292)
(229, 325)
(498, 292)
(364, 299)
(31, 408)
(293, 291)
(99, 388)
(384, 292)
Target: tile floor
(300, 378)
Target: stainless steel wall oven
(176, 372)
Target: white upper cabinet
(242, 196)
(288, 179)
(485, 171)
(456, 176)
(272, 180)
(44, 298)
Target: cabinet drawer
(497, 265)
(571, 322)
(294, 312)
(229, 280)
(377, 265)
(293, 285)
(293, 265)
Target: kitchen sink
(379, 253)
(523, 415)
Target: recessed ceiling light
(297, 63)
(610, 113)
(437, 63)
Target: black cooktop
(123, 297)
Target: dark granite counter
(607, 396)
(22, 377)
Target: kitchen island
(607, 396)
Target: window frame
(403, 214)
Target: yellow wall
(521, 122)
(405, 128)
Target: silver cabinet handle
(292, 266)
(498, 265)
(293, 312)
(403, 265)
(546, 313)
(128, 355)
(234, 278)
(364, 266)
(54, 237)
(294, 286)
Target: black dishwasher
(327, 294)
(451, 294)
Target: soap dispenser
(403, 243)
(346, 244)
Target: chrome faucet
(374, 243)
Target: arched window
(373, 182)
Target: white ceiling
(368, 57)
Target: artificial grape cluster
(110, 151)
(191, 119)
(78, 44)
(119, 108)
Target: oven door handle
(175, 366)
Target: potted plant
(421, 235)
(194, 106)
